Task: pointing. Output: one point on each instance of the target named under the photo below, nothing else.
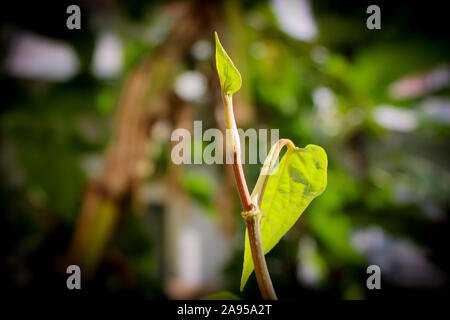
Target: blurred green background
(85, 126)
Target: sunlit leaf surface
(230, 78)
(300, 177)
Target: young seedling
(282, 192)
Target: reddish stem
(251, 214)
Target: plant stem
(241, 184)
(262, 273)
(251, 215)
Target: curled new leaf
(284, 192)
(230, 78)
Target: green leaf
(230, 78)
(222, 295)
(284, 192)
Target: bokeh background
(85, 124)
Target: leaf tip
(243, 282)
(230, 78)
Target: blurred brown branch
(144, 100)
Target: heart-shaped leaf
(284, 192)
(230, 78)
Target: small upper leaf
(230, 78)
(285, 193)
